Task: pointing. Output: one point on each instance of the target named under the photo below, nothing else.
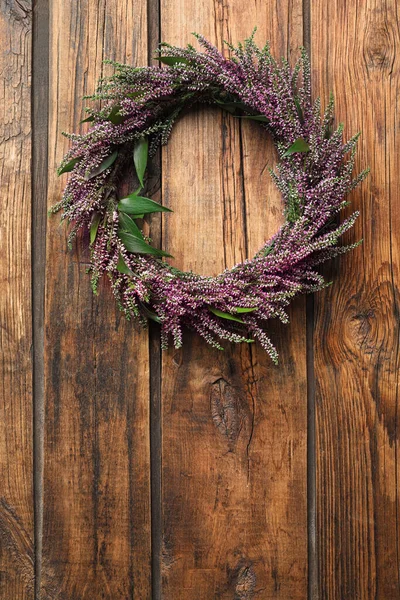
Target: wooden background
(196, 475)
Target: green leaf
(122, 267)
(231, 107)
(299, 109)
(172, 60)
(267, 250)
(244, 309)
(134, 94)
(150, 314)
(94, 226)
(107, 162)
(88, 119)
(261, 118)
(328, 132)
(128, 225)
(138, 245)
(114, 116)
(70, 165)
(140, 154)
(224, 315)
(300, 145)
(134, 205)
(293, 208)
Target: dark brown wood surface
(127, 473)
(355, 54)
(96, 522)
(234, 514)
(16, 436)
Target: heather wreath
(137, 107)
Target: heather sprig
(134, 112)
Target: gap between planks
(313, 593)
(40, 105)
(154, 38)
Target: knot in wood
(19, 10)
(379, 46)
(246, 583)
(225, 409)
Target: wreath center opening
(215, 177)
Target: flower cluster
(138, 107)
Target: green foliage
(293, 205)
(299, 109)
(122, 267)
(89, 119)
(224, 315)
(260, 118)
(103, 166)
(94, 226)
(299, 146)
(327, 124)
(134, 205)
(115, 116)
(140, 155)
(137, 245)
(171, 61)
(128, 225)
(69, 166)
(149, 313)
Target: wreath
(136, 113)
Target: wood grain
(355, 54)
(234, 426)
(16, 493)
(231, 427)
(96, 540)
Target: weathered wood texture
(16, 440)
(220, 437)
(234, 519)
(96, 536)
(355, 54)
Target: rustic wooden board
(234, 519)
(96, 539)
(357, 319)
(228, 430)
(16, 441)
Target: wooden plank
(96, 540)
(234, 426)
(357, 319)
(16, 495)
